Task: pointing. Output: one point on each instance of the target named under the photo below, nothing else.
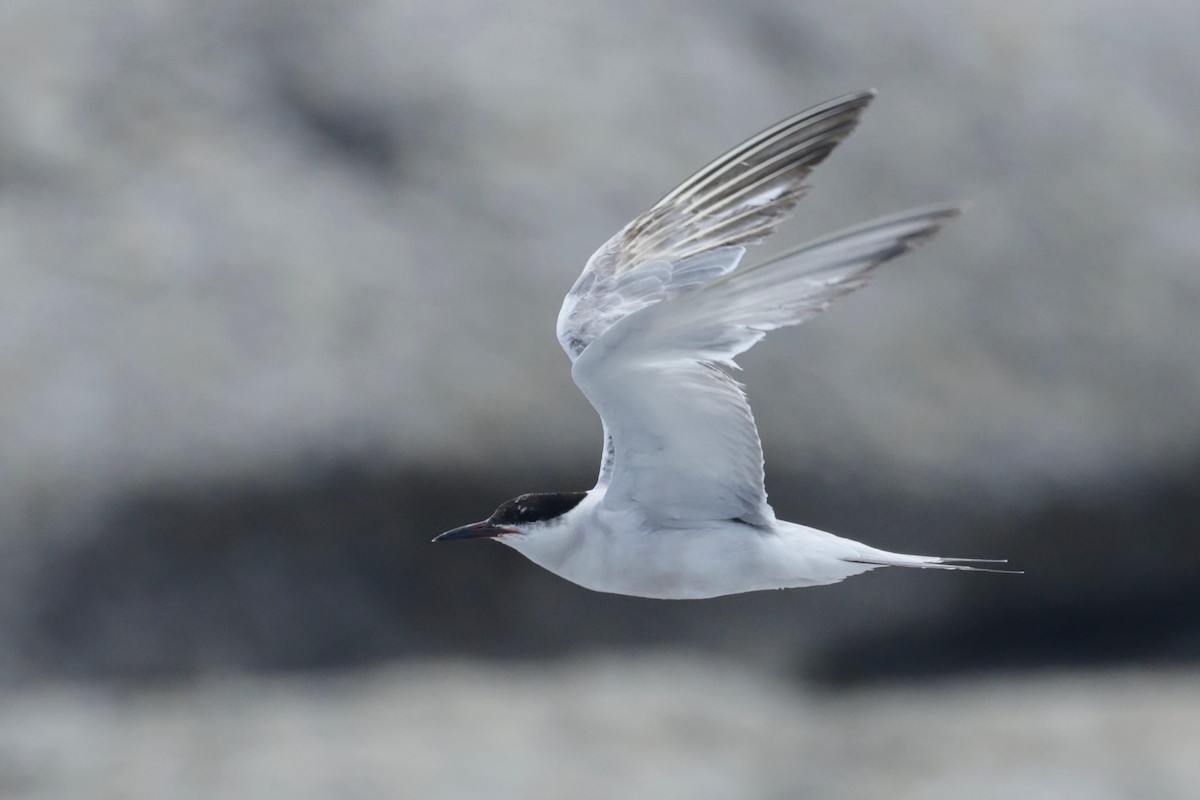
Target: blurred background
(280, 282)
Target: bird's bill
(478, 530)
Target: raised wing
(680, 438)
(696, 233)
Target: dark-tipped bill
(479, 530)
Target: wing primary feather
(800, 156)
(794, 286)
(795, 146)
(850, 105)
(875, 239)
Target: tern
(652, 327)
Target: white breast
(616, 552)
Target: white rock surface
(242, 240)
(664, 727)
(235, 234)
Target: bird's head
(523, 515)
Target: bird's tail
(885, 559)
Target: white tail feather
(933, 562)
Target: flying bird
(652, 327)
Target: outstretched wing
(682, 439)
(696, 233)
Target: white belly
(689, 563)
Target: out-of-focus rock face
(241, 238)
(669, 727)
(236, 231)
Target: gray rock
(244, 241)
(666, 727)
